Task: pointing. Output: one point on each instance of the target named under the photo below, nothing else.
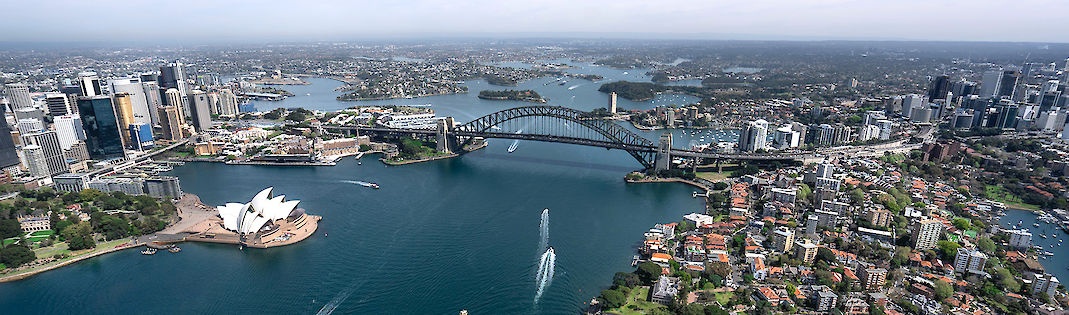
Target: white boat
(512, 148)
(367, 184)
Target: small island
(635, 91)
(512, 95)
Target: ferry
(148, 251)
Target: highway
(136, 161)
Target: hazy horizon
(201, 21)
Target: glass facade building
(102, 136)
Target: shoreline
(70, 260)
(669, 180)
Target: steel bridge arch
(642, 149)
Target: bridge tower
(664, 153)
(442, 135)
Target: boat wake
(574, 86)
(543, 230)
(546, 265)
(333, 304)
(361, 183)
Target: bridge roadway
(875, 150)
(136, 161)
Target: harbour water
(437, 237)
(1056, 264)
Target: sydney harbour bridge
(565, 125)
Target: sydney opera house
(265, 221)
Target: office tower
(911, 102)
(30, 125)
(51, 151)
(172, 97)
(612, 102)
(149, 77)
(198, 105)
(173, 76)
(124, 110)
(35, 160)
(169, 120)
(1008, 84)
(30, 112)
(141, 136)
(90, 84)
(18, 95)
(963, 88)
(990, 85)
(69, 130)
(153, 101)
(8, 156)
(938, 88)
(926, 233)
(784, 137)
(78, 152)
(58, 104)
(138, 100)
(228, 103)
(103, 139)
(754, 136)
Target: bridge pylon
(664, 153)
(443, 137)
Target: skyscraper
(152, 100)
(69, 130)
(141, 136)
(169, 120)
(124, 109)
(103, 139)
(90, 84)
(754, 136)
(8, 156)
(51, 152)
(58, 104)
(938, 88)
(138, 100)
(172, 97)
(35, 160)
(990, 86)
(228, 103)
(1008, 83)
(173, 76)
(198, 105)
(911, 102)
(30, 125)
(18, 95)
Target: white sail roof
(251, 217)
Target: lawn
(714, 176)
(637, 304)
(43, 233)
(724, 297)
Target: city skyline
(338, 20)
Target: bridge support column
(442, 137)
(664, 153)
(719, 166)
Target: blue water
(1056, 264)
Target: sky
(270, 20)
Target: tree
(825, 255)
(692, 309)
(947, 249)
(16, 255)
(713, 309)
(613, 298)
(648, 272)
(624, 279)
(10, 228)
(943, 290)
(986, 245)
(961, 223)
(79, 236)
